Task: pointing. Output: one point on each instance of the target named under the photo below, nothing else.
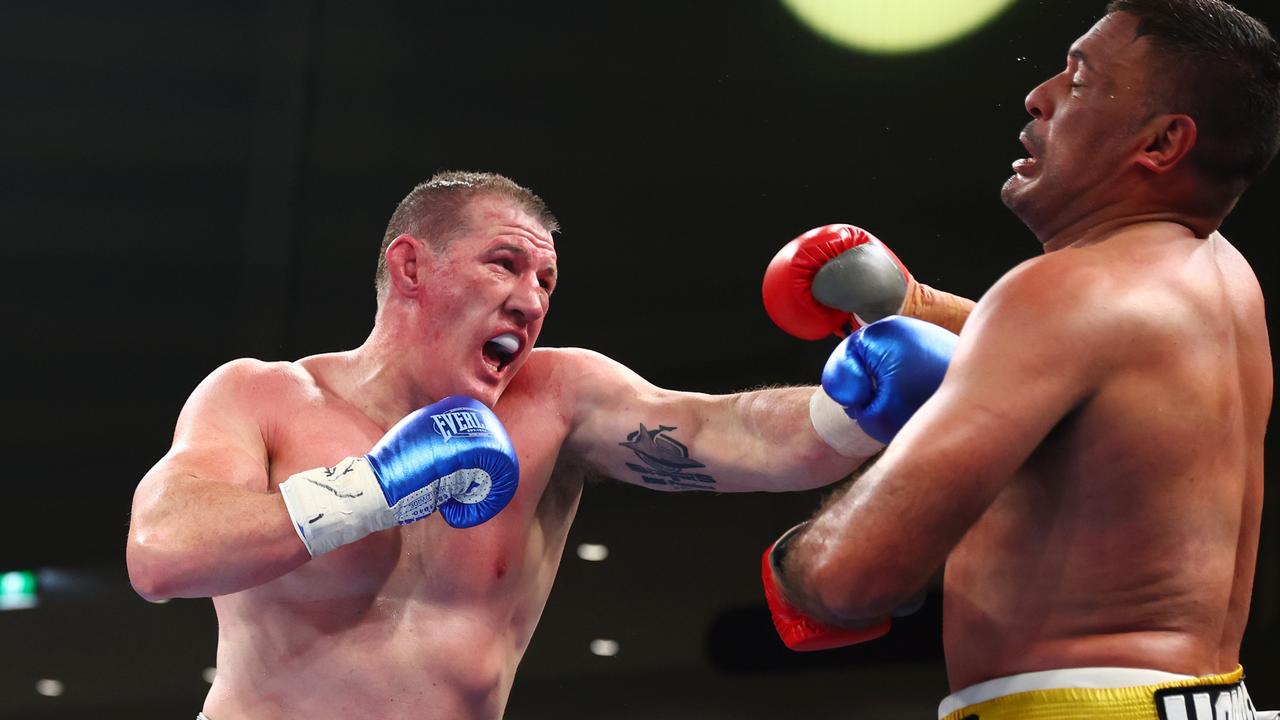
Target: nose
(527, 301)
(1039, 102)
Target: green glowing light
(895, 26)
(17, 590)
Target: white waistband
(1095, 677)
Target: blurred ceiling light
(604, 648)
(209, 674)
(592, 552)
(901, 26)
(49, 687)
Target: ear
(406, 259)
(1169, 139)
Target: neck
(382, 384)
(1133, 198)
(1106, 221)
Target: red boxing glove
(833, 280)
(800, 632)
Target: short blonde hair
(434, 211)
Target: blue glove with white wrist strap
(453, 456)
(884, 372)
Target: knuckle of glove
(845, 379)
(788, 287)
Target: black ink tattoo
(335, 490)
(332, 471)
(666, 460)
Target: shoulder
(1066, 317)
(577, 367)
(579, 379)
(1083, 292)
(249, 378)
(247, 391)
(1239, 274)
(1048, 279)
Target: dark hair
(433, 211)
(1223, 70)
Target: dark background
(182, 184)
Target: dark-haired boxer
(1090, 470)
(371, 559)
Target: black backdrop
(186, 183)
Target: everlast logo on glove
(463, 423)
(1205, 703)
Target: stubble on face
(1083, 121)
(471, 300)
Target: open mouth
(1027, 165)
(501, 350)
(1025, 139)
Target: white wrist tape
(839, 430)
(333, 506)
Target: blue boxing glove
(884, 372)
(453, 456)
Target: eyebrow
(549, 269)
(1078, 54)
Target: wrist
(841, 432)
(333, 506)
(937, 306)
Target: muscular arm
(203, 521)
(630, 430)
(1032, 352)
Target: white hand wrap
(839, 430)
(333, 506)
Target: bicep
(1010, 382)
(1023, 364)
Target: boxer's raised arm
(1026, 360)
(628, 429)
(204, 522)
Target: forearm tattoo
(665, 460)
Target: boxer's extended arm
(1036, 347)
(203, 521)
(626, 428)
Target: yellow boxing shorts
(1104, 694)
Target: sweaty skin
(422, 620)
(1128, 536)
(1090, 471)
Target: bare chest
(1123, 517)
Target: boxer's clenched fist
(884, 372)
(453, 456)
(875, 380)
(797, 630)
(834, 279)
